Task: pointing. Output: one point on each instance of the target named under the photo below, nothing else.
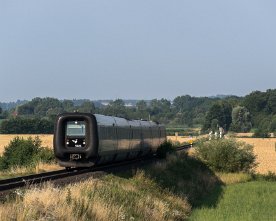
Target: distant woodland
(255, 112)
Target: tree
(142, 110)
(87, 107)
(25, 109)
(273, 124)
(45, 104)
(116, 108)
(241, 119)
(189, 110)
(255, 102)
(141, 105)
(39, 106)
(214, 124)
(68, 105)
(220, 111)
(271, 101)
(26, 126)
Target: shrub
(226, 155)
(261, 133)
(270, 176)
(21, 152)
(164, 148)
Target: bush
(261, 133)
(226, 155)
(270, 177)
(164, 148)
(22, 152)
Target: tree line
(255, 111)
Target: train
(85, 140)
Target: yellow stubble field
(265, 150)
(47, 139)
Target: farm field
(47, 139)
(264, 148)
(265, 151)
(181, 139)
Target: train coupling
(75, 156)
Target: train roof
(111, 121)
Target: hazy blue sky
(136, 49)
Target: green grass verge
(244, 201)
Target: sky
(146, 49)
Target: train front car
(76, 140)
(83, 140)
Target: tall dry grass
(110, 198)
(164, 191)
(40, 167)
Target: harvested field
(181, 139)
(265, 149)
(47, 139)
(243, 134)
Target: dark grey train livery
(83, 140)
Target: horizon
(136, 99)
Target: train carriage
(83, 139)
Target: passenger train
(84, 140)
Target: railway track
(17, 182)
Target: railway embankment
(164, 190)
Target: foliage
(227, 155)
(256, 110)
(20, 125)
(241, 120)
(273, 124)
(164, 149)
(190, 110)
(87, 107)
(270, 177)
(261, 133)
(21, 152)
(219, 113)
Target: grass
(108, 198)
(163, 191)
(21, 171)
(243, 201)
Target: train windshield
(75, 128)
